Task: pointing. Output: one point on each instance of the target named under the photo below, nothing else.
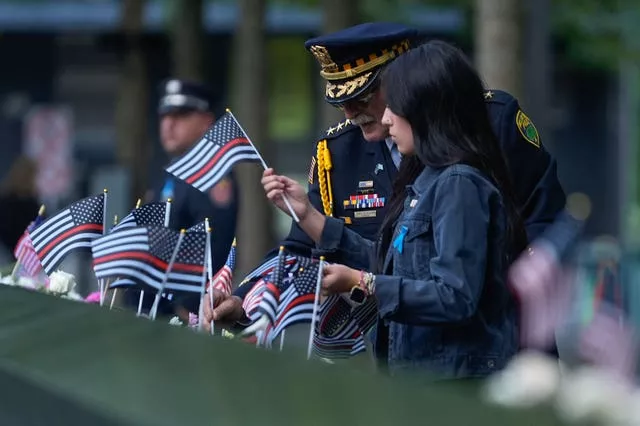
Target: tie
(395, 155)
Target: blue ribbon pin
(398, 243)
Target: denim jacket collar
(423, 181)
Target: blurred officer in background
(186, 111)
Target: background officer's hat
(181, 96)
(351, 59)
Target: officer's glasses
(360, 102)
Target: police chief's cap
(351, 59)
(181, 96)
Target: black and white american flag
(340, 329)
(73, 228)
(153, 214)
(222, 146)
(143, 255)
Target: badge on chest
(365, 203)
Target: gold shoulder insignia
(337, 128)
(527, 129)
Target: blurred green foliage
(593, 33)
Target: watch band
(367, 282)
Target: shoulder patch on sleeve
(312, 168)
(527, 129)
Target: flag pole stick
(14, 271)
(316, 304)
(209, 267)
(264, 164)
(156, 302)
(141, 296)
(167, 213)
(110, 280)
(101, 282)
(113, 298)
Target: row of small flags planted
(141, 251)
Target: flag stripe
(176, 267)
(71, 232)
(216, 158)
(214, 175)
(194, 159)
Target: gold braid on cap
(324, 177)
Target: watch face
(357, 295)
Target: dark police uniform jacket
(361, 171)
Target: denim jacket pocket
(413, 261)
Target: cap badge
(173, 86)
(322, 55)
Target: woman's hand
(276, 186)
(338, 279)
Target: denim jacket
(443, 296)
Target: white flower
(594, 394)
(27, 282)
(61, 282)
(531, 378)
(175, 321)
(8, 280)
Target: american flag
(25, 253)
(222, 146)
(252, 300)
(188, 270)
(71, 229)
(338, 348)
(267, 268)
(297, 296)
(340, 329)
(259, 277)
(271, 295)
(224, 277)
(198, 227)
(149, 214)
(142, 254)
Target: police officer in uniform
(354, 162)
(186, 111)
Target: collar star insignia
(488, 94)
(331, 130)
(340, 126)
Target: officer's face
(367, 112)
(399, 131)
(180, 130)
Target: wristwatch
(362, 289)
(357, 295)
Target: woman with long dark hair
(452, 229)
